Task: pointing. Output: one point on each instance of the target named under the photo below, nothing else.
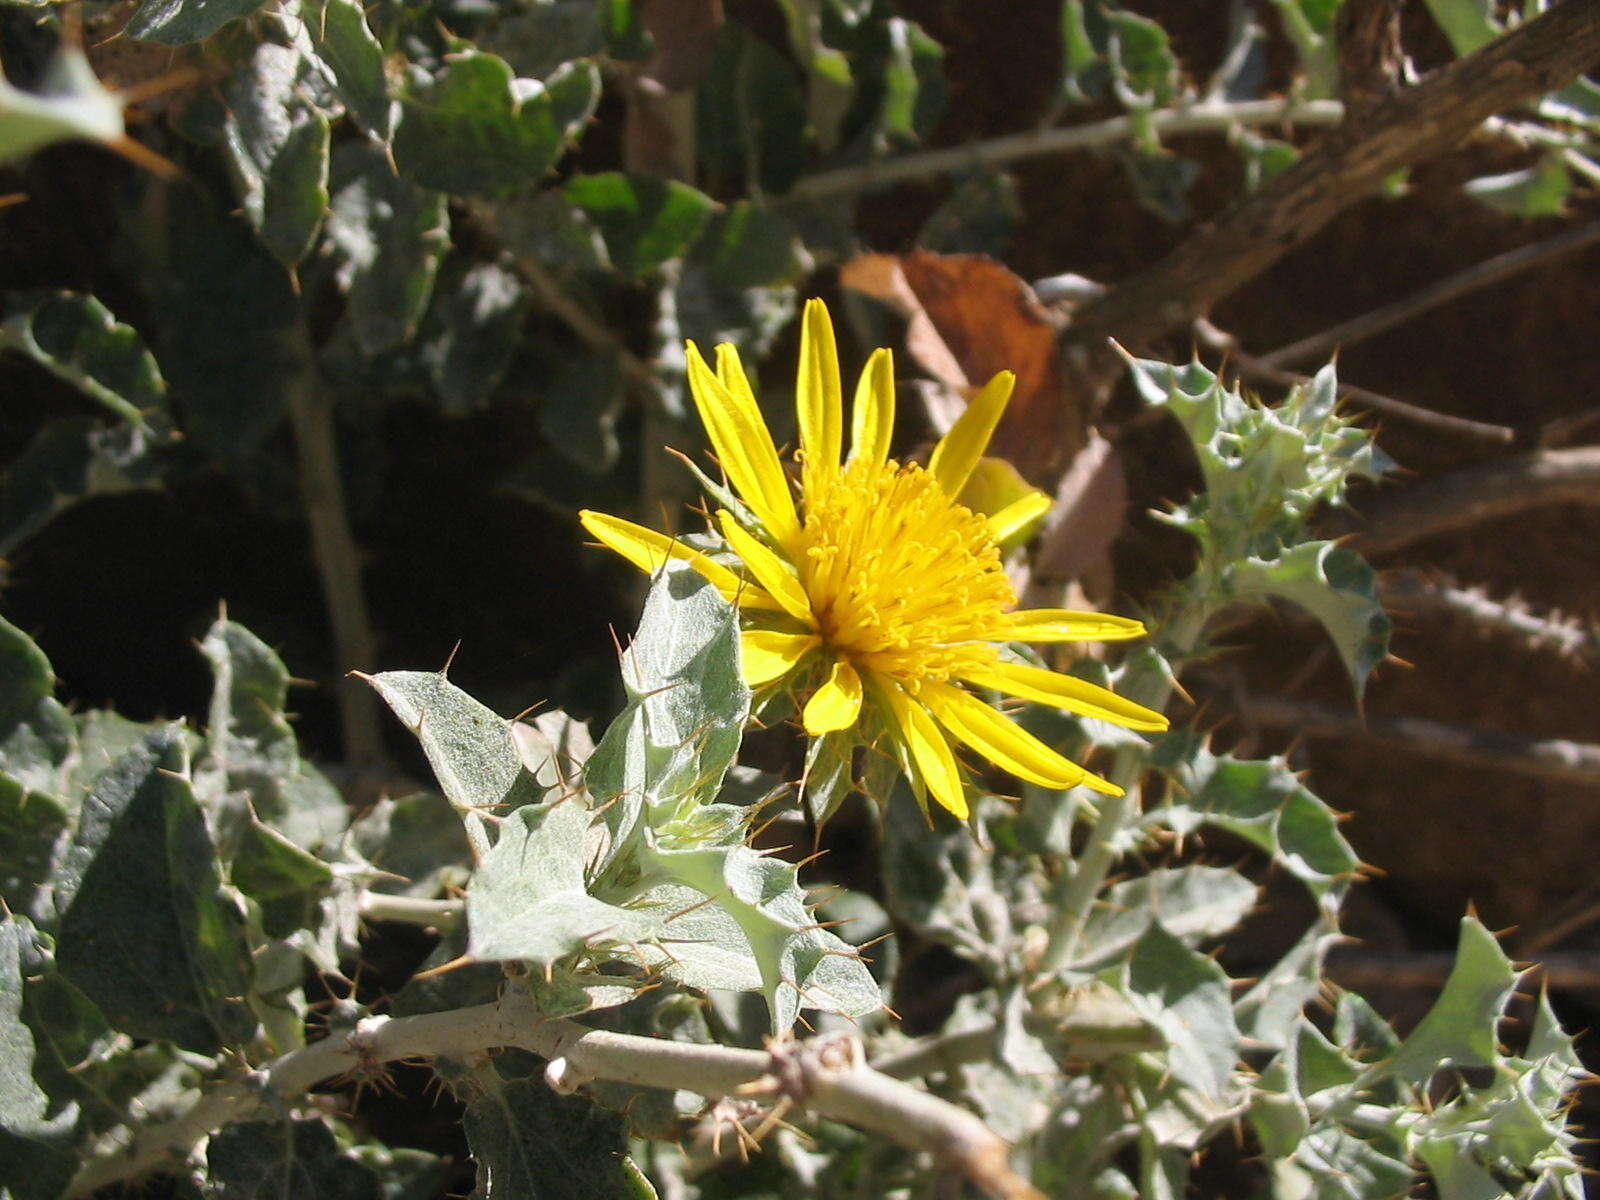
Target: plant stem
(826, 1075)
(443, 915)
(1204, 117)
(1150, 687)
(333, 547)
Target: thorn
(464, 960)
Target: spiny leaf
(77, 339)
(70, 104)
(146, 933)
(35, 1162)
(528, 901)
(260, 1160)
(36, 734)
(1461, 1029)
(469, 748)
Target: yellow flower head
(876, 580)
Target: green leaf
(1334, 585)
(250, 747)
(1161, 181)
(76, 338)
(646, 220)
(229, 323)
(527, 899)
(392, 235)
(1461, 1027)
(976, 218)
(33, 832)
(69, 104)
(417, 837)
(578, 410)
(177, 22)
(1144, 70)
(1537, 191)
(1469, 24)
(36, 734)
(277, 137)
(146, 933)
(480, 324)
(749, 245)
(469, 748)
(288, 883)
(477, 130)
(528, 1141)
(343, 41)
(547, 228)
(1184, 995)
(69, 460)
(262, 1160)
(35, 1162)
(687, 704)
(1192, 903)
(537, 41)
(750, 115)
(913, 87)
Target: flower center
(903, 580)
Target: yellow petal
(771, 572)
(872, 413)
(769, 654)
(959, 450)
(836, 704)
(1004, 742)
(1065, 625)
(1018, 515)
(739, 436)
(819, 399)
(1065, 691)
(930, 752)
(647, 550)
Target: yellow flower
(876, 581)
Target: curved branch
(827, 1075)
(1347, 164)
(1463, 498)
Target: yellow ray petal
(771, 572)
(1004, 742)
(836, 704)
(819, 399)
(1065, 625)
(1018, 514)
(930, 752)
(769, 654)
(739, 436)
(1064, 691)
(959, 450)
(647, 550)
(872, 413)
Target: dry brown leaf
(969, 317)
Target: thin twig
(1365, 970)
(1345, 165)
(1413, 593)
(1206, 117)
(1259, 371)
(1549, 759)
(826, 1075)
(1474, 278)
(1469, 497)
(334, 550)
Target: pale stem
(333, 548)
(826, 1076)
(1205, 117)
(1150, 688)
(443, 915)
